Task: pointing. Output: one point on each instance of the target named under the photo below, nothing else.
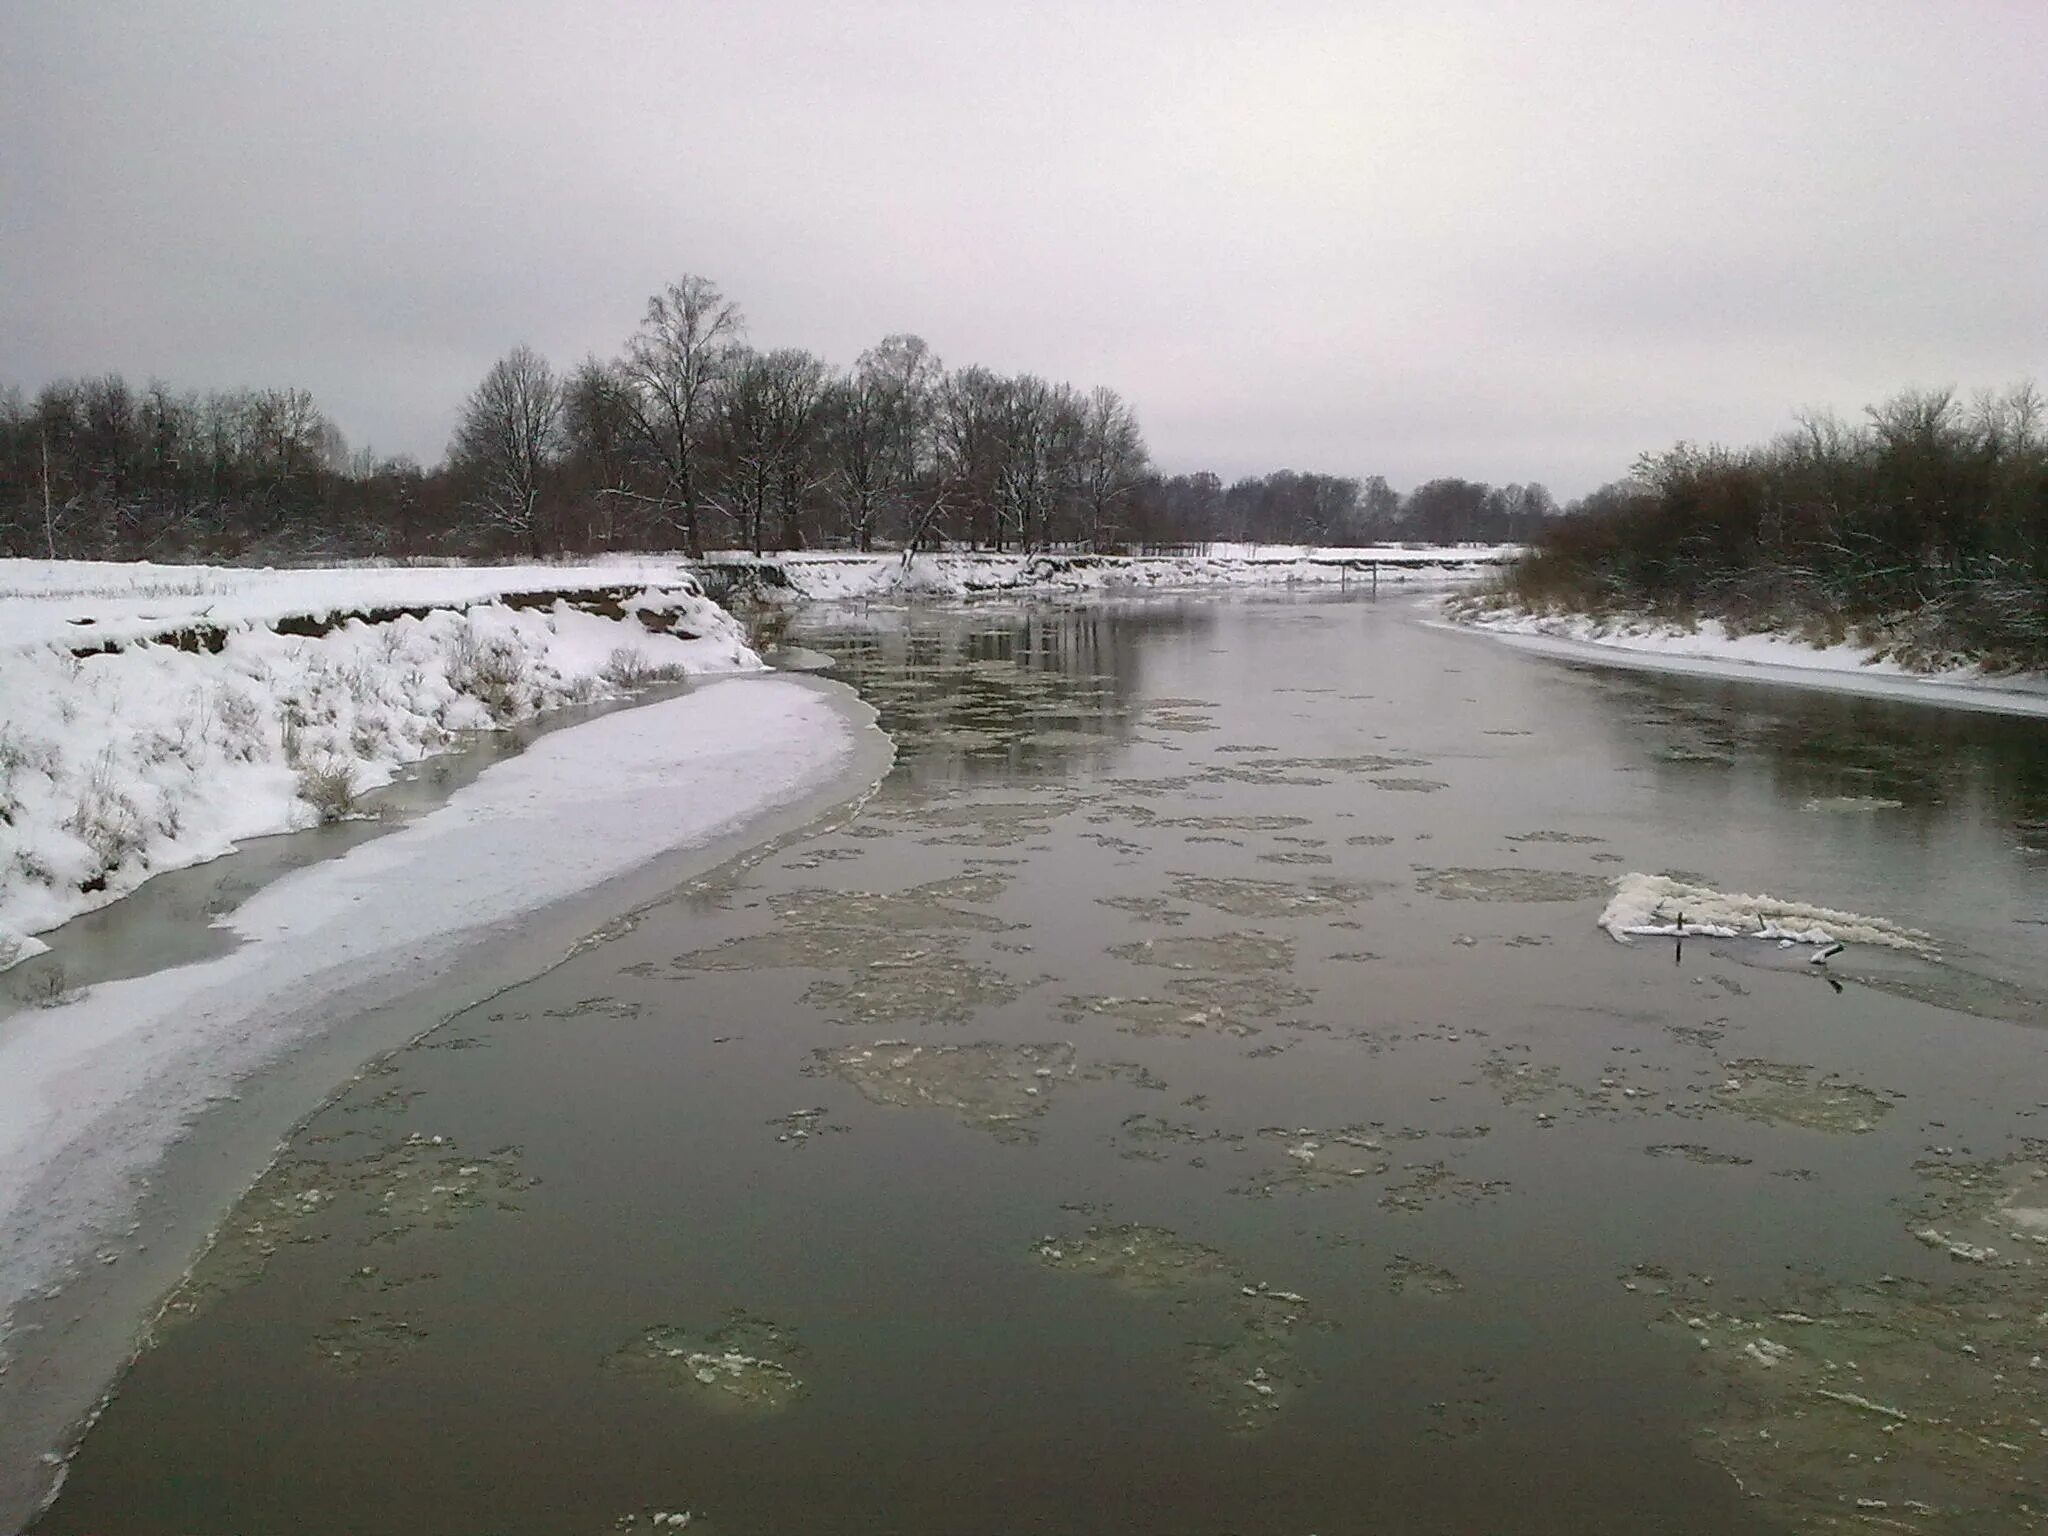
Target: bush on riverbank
(1922, 532)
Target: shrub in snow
(329, 786)
(626, 669)
(493, 670)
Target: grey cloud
(1507, 241)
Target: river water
(1193, 1096)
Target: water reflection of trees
(1001, 693)
(1811, 745)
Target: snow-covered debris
(123, 763)
(835, 577)
(1652, 905)
(94, 1089)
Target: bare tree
(597, 444)
(769, 409)
(672, 365)
(1111, 464)
(796, 397)
(506, 444)
(970, 430)
(877, 430)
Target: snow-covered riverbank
(150, 717)
(1708, 649)
(837, 577)
(153, 716)
(348, 958)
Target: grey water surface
(1194, 1096)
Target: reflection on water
(1007, 693)
(1157, 1111)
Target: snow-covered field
(835, 577)
(121, 764)
(1710, 649)
(94, 1089)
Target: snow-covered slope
(1708, 648)
(121, 763)
(79, 602)
(833, 577)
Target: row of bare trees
(1286, 507)
(97, 467)
(690, 429)
(688, 436)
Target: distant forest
(1921, 530)
(688, 438)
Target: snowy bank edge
(146, 758)
(72, 1366)
(841, 577)
(1710, 652)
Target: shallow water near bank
(1193, 1095)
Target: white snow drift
(118, 765)
(1652, 905)
(834, 577)
(95, 1089)
(73, 602)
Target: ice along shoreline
(1710, 651)
(133, 1117)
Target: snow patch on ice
(1651, 906)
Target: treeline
(1922, 529)
(688, 437)
(1289, 508)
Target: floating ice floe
(1657, 906)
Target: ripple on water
(992, 1085)
(1245, 1364)
(1914, 1404)
(743, 1366)
(1510, 885)
(1221, 953)
(389, 1193)
(1787, 1093)
(1270, 898)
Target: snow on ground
(94, 1089)
(79, 602)
(1709, 649)
(835, 577)
(1653, 905)
(118, 765)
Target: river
(1193, 1095)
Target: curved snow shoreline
(120, 765)
(1710, 651)
(338, 963)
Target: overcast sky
(1516, 241)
